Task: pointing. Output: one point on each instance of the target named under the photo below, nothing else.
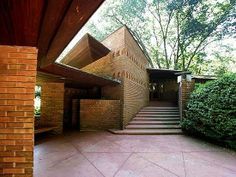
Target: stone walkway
(99, 154)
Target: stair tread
(157, 115)
(147, 131)
(156, 118)
(158, 111)
(152, 126)
(153, 109)
(162, 107)
(153, 122)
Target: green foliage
(211, 110)
(37, 100)
(221, 62)
(197, 85)
(37, 92)
(37, 111)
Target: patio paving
(102, 154)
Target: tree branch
(178, 41)
(157, 44)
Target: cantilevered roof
(80, 78)
(44, 77)
(48, 25)
(204, 77)
(86, 51)
(164, 73)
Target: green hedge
(211, 111)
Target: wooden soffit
(83, 79)
(86, 51)
(156, 74)
(20, 21)
(48, 25)
(77, 14)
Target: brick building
(130, 86)
(98, 85)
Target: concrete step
(152, 127)
(157, 116)
(147, 131)
(156, 119)
(160, 108)
(158, 113)
(145, 122)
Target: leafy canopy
(172, 33)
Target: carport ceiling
(48, 25)
(157, 74)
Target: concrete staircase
(153, 121)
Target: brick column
(17, 82)
(52, 105)
(185, 89)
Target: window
(37, 100)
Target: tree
(172, 33)
(220, 64)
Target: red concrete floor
(102, 154)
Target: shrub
(211, 111)
(37, 111)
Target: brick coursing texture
(70, 94)
(52, 105)
(127, 63)
(17, 81)
(185, 89)
(99, 114)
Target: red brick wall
(52, 105)
(17, 82)
(127, 63)
(133, 92)
(185, 89)
(99, 114)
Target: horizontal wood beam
(81, 78)
(54, 14)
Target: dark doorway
(75, 115)
(164, 90)
(163, 86)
